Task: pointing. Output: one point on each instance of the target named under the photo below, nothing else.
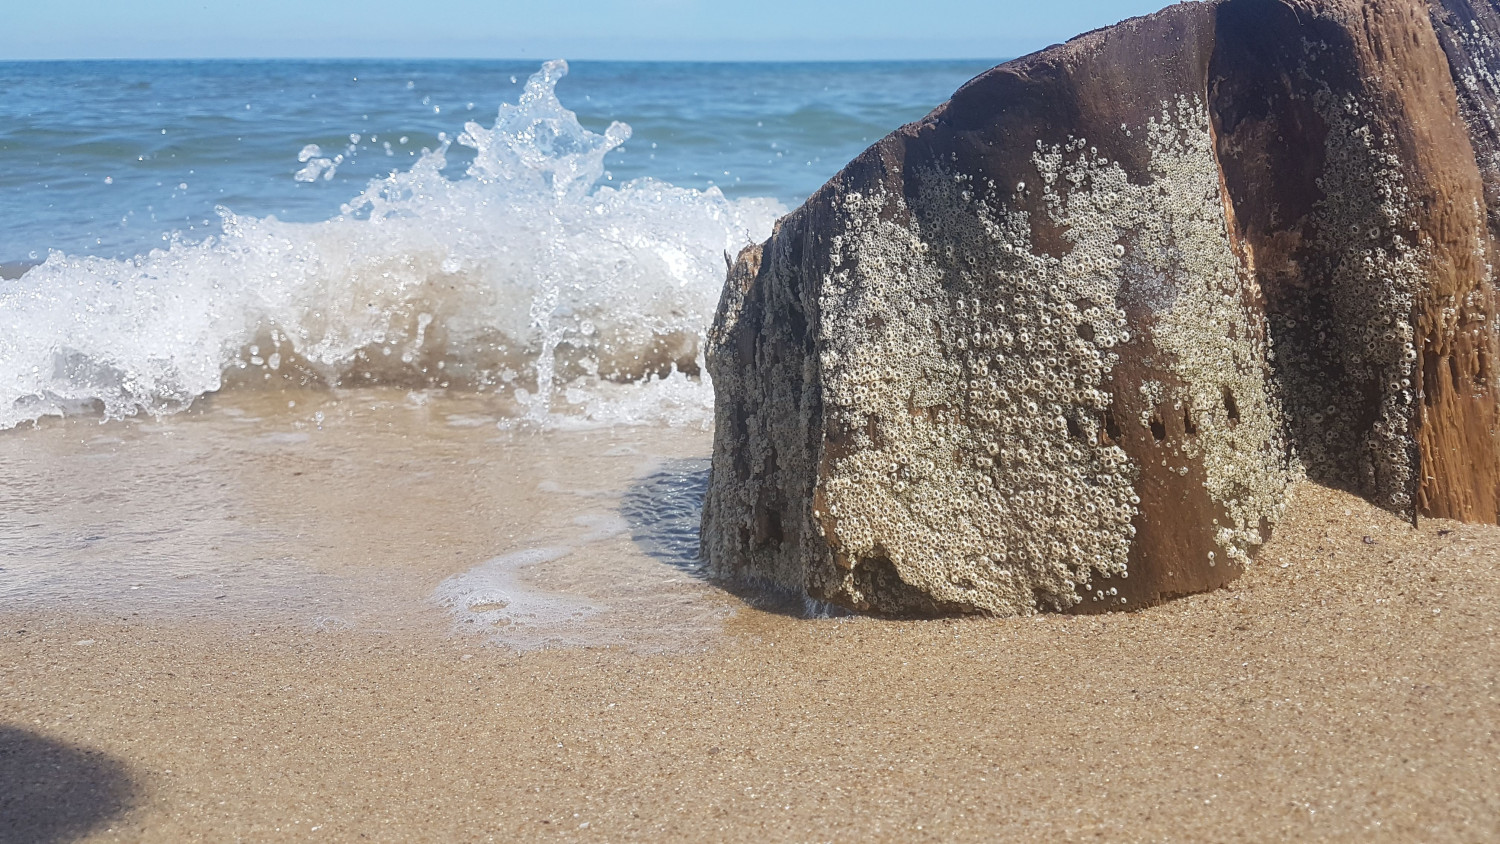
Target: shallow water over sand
(373, 509)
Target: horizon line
(532, 59)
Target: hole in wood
(1111, 428)
(1231, 408)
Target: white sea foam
(584, 302)
(492, 597)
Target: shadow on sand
(665, 509)
(51, 791)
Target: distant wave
(583, 303)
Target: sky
(574, 29)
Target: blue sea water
(481, 224)
(174, 139)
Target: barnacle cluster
(1478, 87)
(1214, 333)
(1347, 340)
(961, 375)
(972, 372)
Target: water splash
(529, 276)
(537, 145)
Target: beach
(354, 494)
(1344, 688)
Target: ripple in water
(664, 511)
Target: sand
(287, 673)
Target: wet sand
(283, 669)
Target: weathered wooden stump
(1065, 342)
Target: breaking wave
(581, 302)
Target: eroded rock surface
(1065, 342)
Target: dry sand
(1345, 688)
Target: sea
(465, 299)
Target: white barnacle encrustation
(1210, 333)
(1013, 494)
(1357, 346)
(1014, 415)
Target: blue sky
(580, 29)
